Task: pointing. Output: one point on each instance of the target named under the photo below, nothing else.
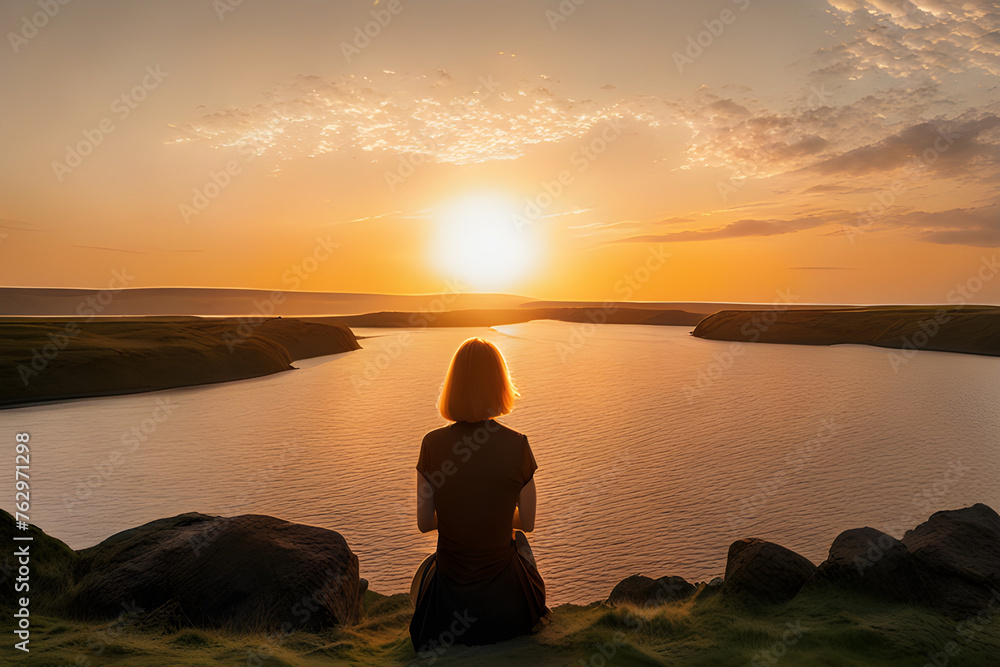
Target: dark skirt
(450, 612)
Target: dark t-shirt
(477, 471)
(479, 588)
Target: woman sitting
(475, 487)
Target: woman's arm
(524, 513)
(426, 516)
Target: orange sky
(433, 151)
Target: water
(641, 469)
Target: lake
(655, 449)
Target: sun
(480, 242)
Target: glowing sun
(480, 242)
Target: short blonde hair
(478, 385)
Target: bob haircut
(478, 385)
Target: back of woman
(481, 469)
(476, 487)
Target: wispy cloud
(956, 146)
(961, 226)
(739, 228)
(429, 115)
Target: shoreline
(935, 591)
(48, 360)
(947, 328)
(62, 359)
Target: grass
(819, 627)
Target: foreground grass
(816, 628)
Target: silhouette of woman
(475, 487)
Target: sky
(824, 151)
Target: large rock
(50, 567)
(757, 570)
(243, 573)
(869, 561)
(960, 552)
(648, 592)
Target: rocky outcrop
(259, 573)
(244, 573)
(950, 562)
(959, 550)
(757, 570)
(869, 561)
(648, 592)
(50, 565)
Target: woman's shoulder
(508, 431)
(479, 430)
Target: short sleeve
(424, 459)
(528, 465)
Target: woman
(475, 487)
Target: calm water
(642, 470)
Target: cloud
(961, 226)
(401, 114)
(17, 225)
(737, 229)
(623, 224)
(436, 117)
(939, 144)
(749, 138)
(905, 38)
(832, 188)
(95, 247)
(973, 226)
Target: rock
(960, 552)
(647, 592)
(244, 573)
(869, 561)
(757, 570)
(50, 564)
